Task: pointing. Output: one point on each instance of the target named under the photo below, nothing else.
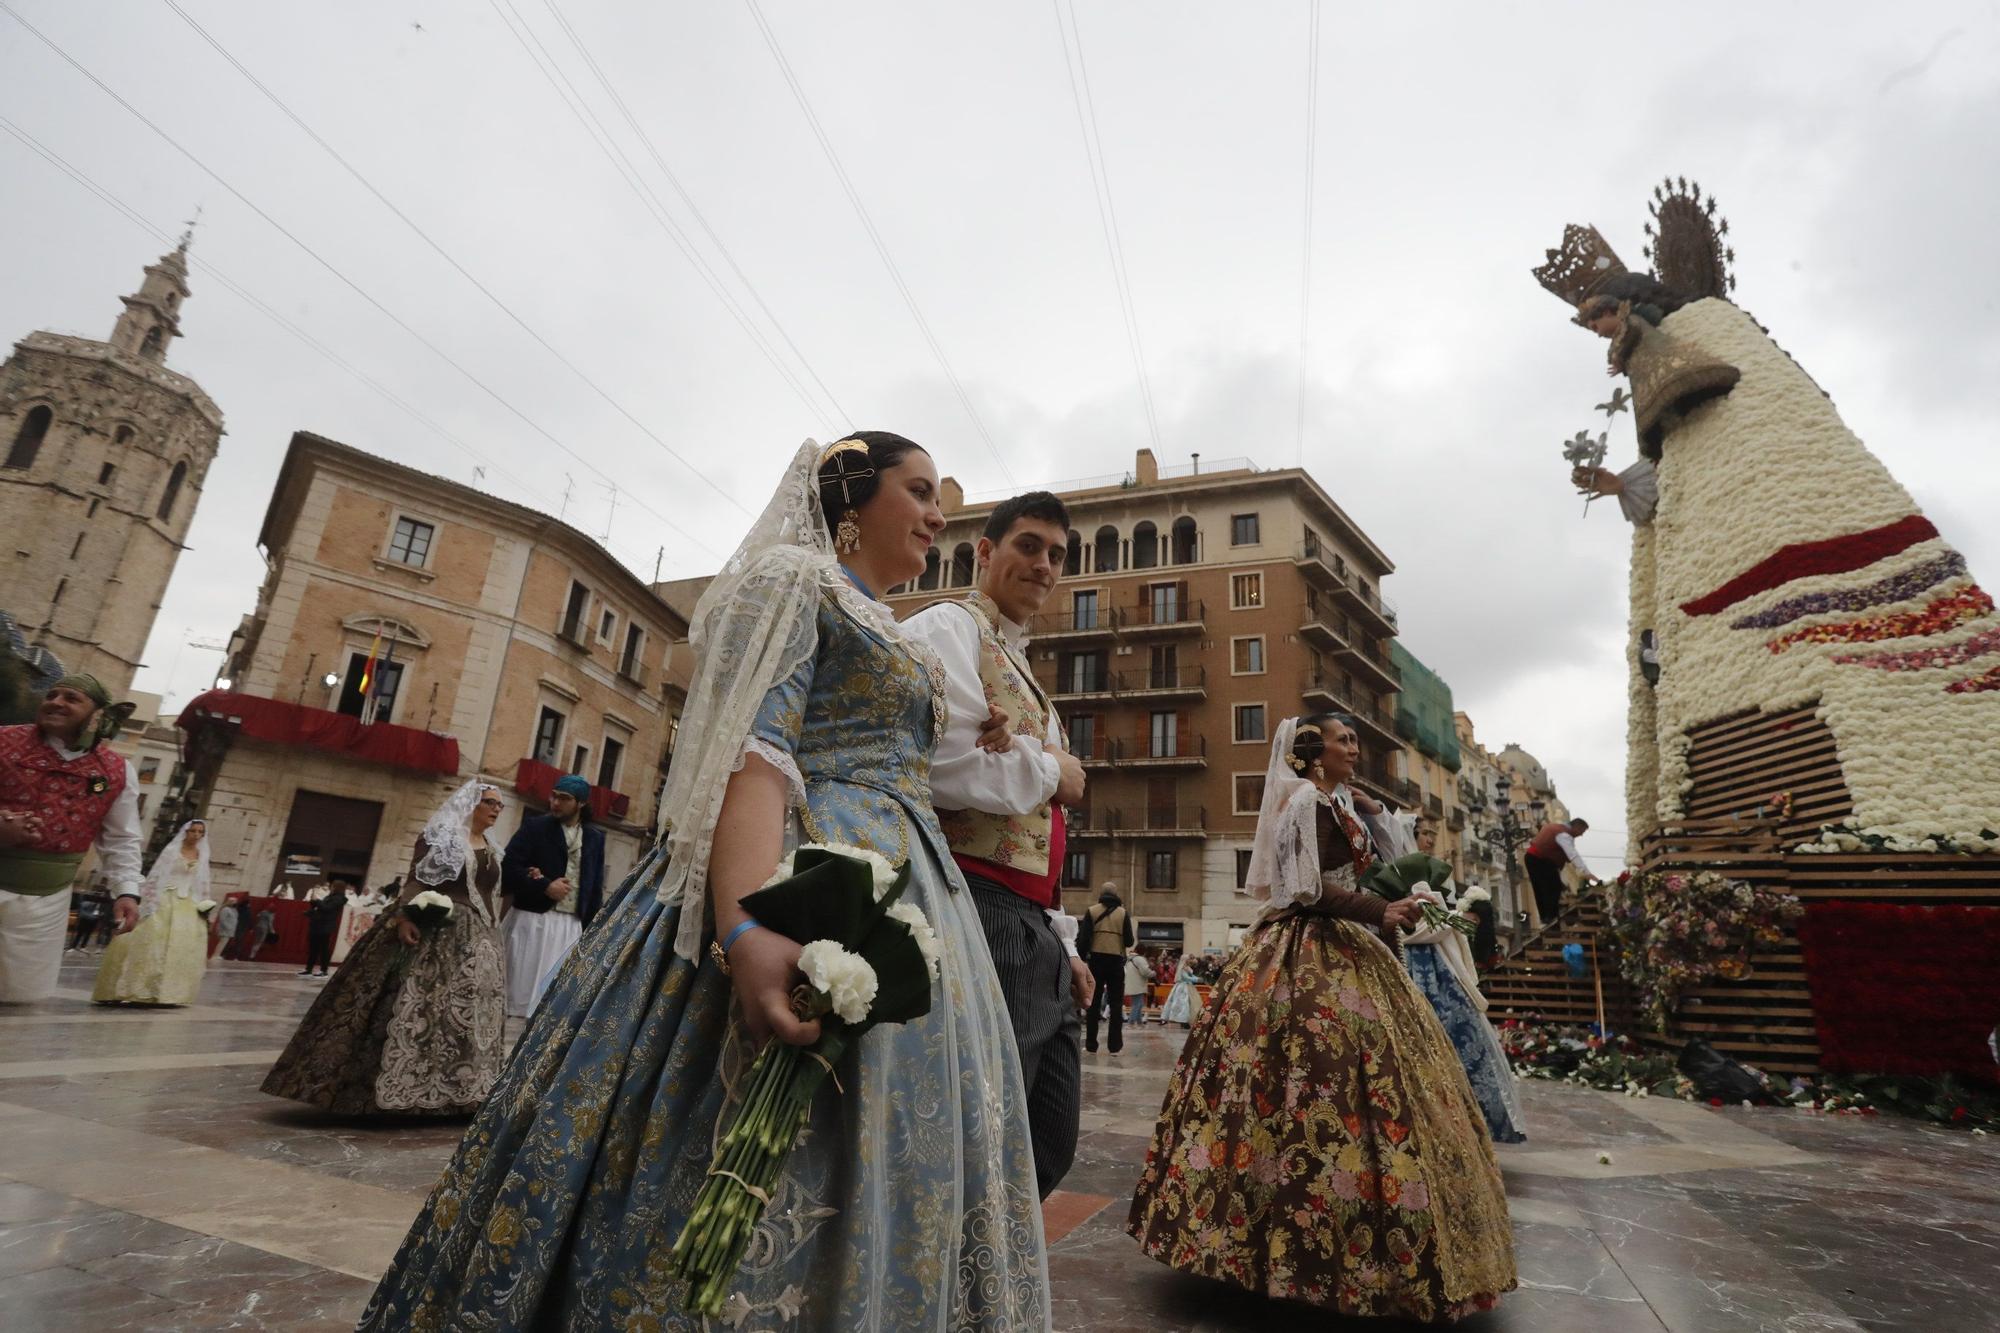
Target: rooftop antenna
(569, 483)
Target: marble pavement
(146, 1184)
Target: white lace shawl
(1284, 855)
(448, 836)
(170, 875)
(754, 627)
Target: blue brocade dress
(909, 1204)
(1478, 1046)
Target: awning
(537, 781)
(279, 723)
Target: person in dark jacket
(323, 927)
(553, 876)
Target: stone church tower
(105, 451)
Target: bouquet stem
(748, 1163)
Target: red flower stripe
(1919, 659)
(1834, 555)
(1941, 615)
(1979, 684)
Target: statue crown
(1580, 267)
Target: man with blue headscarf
(553, 876)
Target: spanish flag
(368, 670)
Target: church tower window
(172, 493)
(28, 440)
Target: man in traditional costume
(1001, 809)
(1551, 849)
(553, 874)
(62, 791)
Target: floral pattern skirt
(1477, 1044)
(160, 961)
(1319, 1142)
(909, 1203)
(401, 1031)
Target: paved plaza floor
(145, 1183)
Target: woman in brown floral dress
(411, 1023)
(1319, 1141)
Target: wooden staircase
(1535, 984)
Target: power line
(646, 139)
(441, 252)
(324, 263)
(1312, 173)
(209, 270)
(1107, 209)
(574, 102)
(875, 236)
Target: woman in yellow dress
(162, 959)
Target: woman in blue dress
(1440, 962)
(910, 1201)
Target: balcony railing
(1101, 752)
(1161, 617)
(1322, 690)
(1073, 684)
(1374, 667)
(1177, 751)
(1435, 806)
(1153, 821)
(1371, 607)
(1157, 683)
(1075, 625)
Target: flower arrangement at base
(867, 959)
(1850, 838)
(1677, 930)
(1395, 880)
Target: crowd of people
(1360, 1176)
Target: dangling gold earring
(847, 534)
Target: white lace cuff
(778, 759)
(1641, 495)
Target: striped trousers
(1035, 979)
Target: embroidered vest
(72, 796)
(1020, 842)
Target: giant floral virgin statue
(1776, 563)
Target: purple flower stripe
(1896, 588)
(1921, 659)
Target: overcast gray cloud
(1851, 145)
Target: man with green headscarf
(62, 791)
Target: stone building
(105, 454)
(1200, 607)
(504, 643)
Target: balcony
(1156, 618)
(1434, 807)
(1083, 687)
(1377, 616)
(1323, 691)
(1102, 752)
(1178, 751)
(1188, 682)
(1456, 819)
(1320, 565)
(1158, 823)
(536, 781)
(1372, 668)
(1069, 627)
(1324, 632)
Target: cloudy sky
(1852, 147)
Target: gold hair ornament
(844, 472)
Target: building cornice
(90, 349)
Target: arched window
(928, 580)
(1107, 550)
(961, 566)
(124, 435)
(1185, 543)
(1145, 546)
(172, 493)
(156, 338)
(28, 440)
(1073, 558)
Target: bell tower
(103, 453)
(152, 315)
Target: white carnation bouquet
(428, 910)
(867, 959)
(205, 906)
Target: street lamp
(330, 679)
(1507, 834)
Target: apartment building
(1201, 605)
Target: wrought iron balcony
(1178, 616)
(1185, 682)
